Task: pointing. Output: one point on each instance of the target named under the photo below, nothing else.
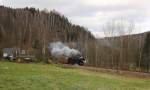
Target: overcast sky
(93, 14)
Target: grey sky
(94, 13)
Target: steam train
(75, 59)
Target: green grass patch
(15, 76)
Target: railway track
(110, 71)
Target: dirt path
(111, 71)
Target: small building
(17, 54)
(10, 53)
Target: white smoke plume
(59, 49)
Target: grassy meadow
(15, 76)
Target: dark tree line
(32, 29)
(123, 52)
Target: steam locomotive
(74, 59)
(77, 59)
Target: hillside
(129, 52)
(30, 28)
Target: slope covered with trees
(129, 52)
(29, 28)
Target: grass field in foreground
(14, 76)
